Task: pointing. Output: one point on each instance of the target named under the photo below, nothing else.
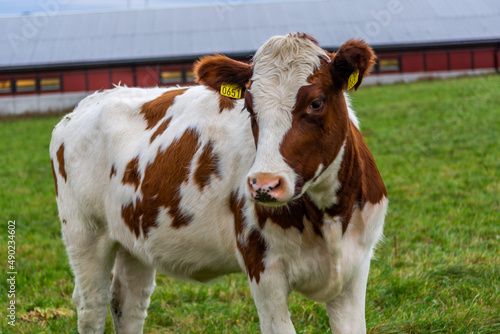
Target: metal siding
(73, 81)
(147, 76)
(484, 58)
(98, 79)
(412, 62)
(460, 59)
(123, 76)
(436, 61)
(238, 27)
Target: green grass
(438, 270)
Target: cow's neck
(338, 187)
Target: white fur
(107, 129)
(352, 114)
(323, 189)
(281, 67)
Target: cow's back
(156, 167)
(82, 143)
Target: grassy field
(438, 270)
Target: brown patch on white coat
(155, 110)
(60, 160)
(54, 176)
(112, 172)
(254, 247)
(208, 165)
(160, 187)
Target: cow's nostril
(266, 187)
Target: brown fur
(292, 215)
(113, 171)
(352, 55)
(132, 175)
(253, 117)
(60, 159)
(213, 71)
(307, 36)
(160, 129)
(236, 206)
(253, 255)
(161, 186)
(254, 250)
(359, 178)
(226, 103)
(132, 216)
(208, 165)
(54, 175)
(155, 110)
(316, 136)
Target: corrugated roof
(237, 28)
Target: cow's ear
(213, 71)
(351, 63)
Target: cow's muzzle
(267, 188)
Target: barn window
(25, 85)
(190, 76)
(5, 86)
(389, 65)
(50, 84)
(170, 77)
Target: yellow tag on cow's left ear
(353, 80)
(232, 91)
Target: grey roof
(237, 28)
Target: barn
(50, 60)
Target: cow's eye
(316, 105)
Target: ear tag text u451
(353, 80)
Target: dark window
(389, 65)
(190, 76)
(170, 77)
(25, 85)
(50, 84)
(5, 86)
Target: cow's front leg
(270, 292)
(347, 311)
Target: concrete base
(43, 103)
(387, 79)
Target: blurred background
(54, 52)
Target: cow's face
(299, 117)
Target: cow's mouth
(264, 197)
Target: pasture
(437, 271)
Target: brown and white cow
(279, 184)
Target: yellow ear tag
(232, 91)
(353, 79)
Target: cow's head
(294, 94)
